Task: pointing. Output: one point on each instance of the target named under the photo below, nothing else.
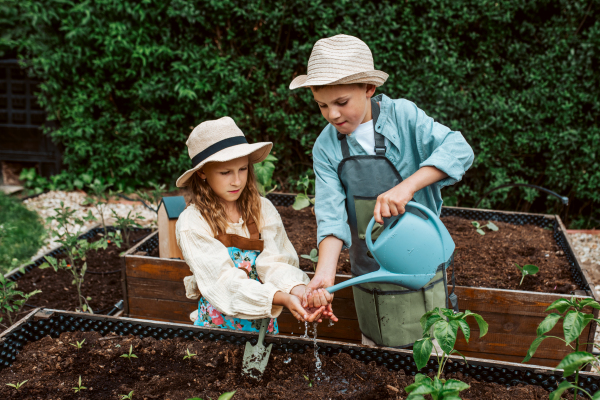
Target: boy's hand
(319, 298)
(393, 202)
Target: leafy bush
(127, 81)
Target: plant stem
(523, 278)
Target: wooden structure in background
(168, 213)
(154, 289)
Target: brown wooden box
(153, 288)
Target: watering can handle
(433, 217)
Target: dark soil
(53, 367)
(58, 291)
(481, 261)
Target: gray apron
(388, 314)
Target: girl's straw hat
(217, 141)
(341, 59)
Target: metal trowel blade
(256, 359)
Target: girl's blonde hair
(211, 208)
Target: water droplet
(287, 360)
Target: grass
(22, 232)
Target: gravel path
(45, 205)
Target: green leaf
(476, 224)
(589, 303)
(596, 395)
(313, 253)
(560, 305)
(533, 347)
(530, 269)
(483, 326)
(491, 226)
(422, 352)
(445, 333)
(548, 323)
(563, 387)
(480, 231)
(573, 325)
(519, 267)
(454, 385)
(464, 327)
(426, 325)
(301, 202)
(420, 379)
(227, 395)
(574, 361)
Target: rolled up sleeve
(226, 287)
(330, 197)
(278, 263)
(442, 148)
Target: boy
(373, 157)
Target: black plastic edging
(56, 322)
(539, 220)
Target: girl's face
(227, 179)
(345, 106)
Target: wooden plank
(166, 309)
(344, 329)
(156, 268)
(506, 301)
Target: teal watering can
(408, 251)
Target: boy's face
(227, 179)
(345, 106)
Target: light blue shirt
(415, 141)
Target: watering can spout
(413, 282)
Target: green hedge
(128, 79)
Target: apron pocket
(364, 207)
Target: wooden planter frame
(153, 288)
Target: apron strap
(452, 296)
(252, 229)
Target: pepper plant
(574, 322)
(445, 324)
(12, 300)
(264, 175)
(67, 234)
(126, 224)
(302, 199)
(152, 197)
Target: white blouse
(228, 288)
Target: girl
(244, 266)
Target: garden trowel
(256, 357)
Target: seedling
(17, 385)
(100, 200)
(574, 322)
(67, 235)
(224, 396)
(310, 382)
(9, 304)
(189, 355)
(264, 175)
(79, 387)
(130, 355)
(445, 325)
(302, 199)
(490, 225)
(527, 270)
(77, 344)
(313, 256)
(153, 196)
(126, 224)
(127, 396)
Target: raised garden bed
(154, 289)
(38, 349)
(102, 280)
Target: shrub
(127, 81)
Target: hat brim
(256, 153)
(374, 77)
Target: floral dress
(211, 317)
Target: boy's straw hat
(341, 59)
(217, 141)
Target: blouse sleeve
(226, 287)
(278, 263)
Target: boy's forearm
(329, 254)
(424, 177)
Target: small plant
(67, 235)
(127, 396)
(310, 381)
(189, 355)
(130, 355)
(527, 270)
(490, 225)
(126, 224)
(9, 304)
(445, 325)
(264, 175)
(574, 322)
(302, 199)
(313, 256)
(152, 198)
(79, 387)
(77, 344)
(17, 385)
(224, 396)
(100, 200)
